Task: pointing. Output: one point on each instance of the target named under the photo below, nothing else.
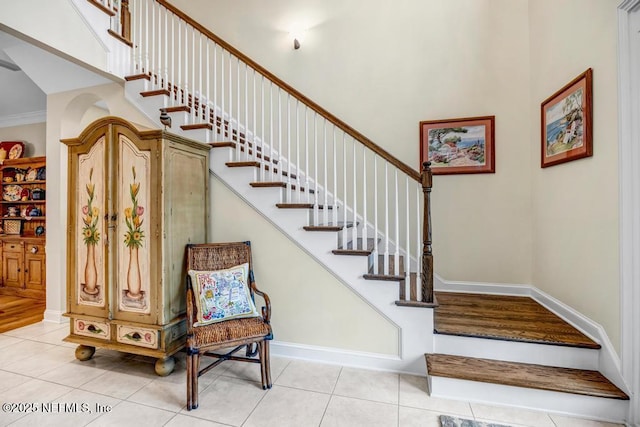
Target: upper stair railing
(120, 17)
(378, 203)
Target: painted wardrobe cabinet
(136, 198)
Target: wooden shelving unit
(23, 219)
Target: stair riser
(612, 410)
(135, 87)
(540, 354)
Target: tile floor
(38, 368)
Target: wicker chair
(252, 333)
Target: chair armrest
(190, 308)
(266, 309)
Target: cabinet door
(34, 272)
(134, 203)
(87, 259)
(12, 269)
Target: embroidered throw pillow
(222, 294)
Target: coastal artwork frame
(458, 146)
(566, 122)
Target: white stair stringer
(514, 351)
(415, 325)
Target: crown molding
(23, 118)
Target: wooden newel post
(125, 20)
(427, 256)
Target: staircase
(512, 350)
(363, 215)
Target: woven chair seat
(230, 330)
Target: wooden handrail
(296, 94)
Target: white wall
(575, 205)
(32, 135)
(382, 67)
(56, 23)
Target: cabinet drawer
(12, 247)
(141, 337)
(34, 248)
(89, 328)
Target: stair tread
(300, 206)
(392, 261)
(566, 380)
(504, 317)
(154, 92)
(329, 226)
(359, 248)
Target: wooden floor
(589, 383)
(16, 312)
(506, 318)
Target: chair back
(218, 256)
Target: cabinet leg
(165, 366)
(84, 352)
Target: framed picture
(566, 122)
(457, 146)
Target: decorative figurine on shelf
(39, 230)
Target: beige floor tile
(349, 412)
(369, 385)
(56, 337)
(414, 393)
(163, 394)
(73, 374)
(37, 329)
(251, 371)
(9, 380)
(564, 421)
(412, 417)
(511, 415)
(116, 384)
(23, 349)
(76, 408)
(228, 401)
(132, 414)
(31, 392)
(40, 363)
(284, 407)
(309, 376)
(6, 340)
(181, 420)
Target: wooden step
(340, 225)
(279, 184)
(566, 380)
(197, 126)
(155, 92)
(358, 250)
(504, 317)
(102, 8)
(301, 206)
(137, 77)
(257, 165)
(379, 275)
(178, 108)
(231, 144)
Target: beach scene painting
(458, 145)
(566, 122)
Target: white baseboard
(336, 356)
(55, 316)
